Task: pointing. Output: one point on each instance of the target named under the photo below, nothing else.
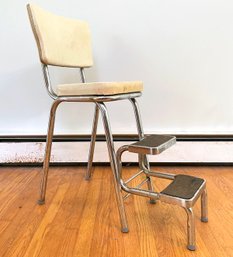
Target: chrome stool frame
(174, 193)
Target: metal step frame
(183, 191)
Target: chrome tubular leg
(190, 229)
(113, 161)
(92, 144)
(142, 158)
(204, 206)
(48, 152)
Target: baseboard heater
(73, 149)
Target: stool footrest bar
(138, 191)
(126, 196)
(137, 187)
(134, 176)
(142, 183)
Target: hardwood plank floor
(80, 217)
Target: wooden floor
(80, 218)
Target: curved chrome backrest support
(47, 80)
(48, 83)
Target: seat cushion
(99, 88)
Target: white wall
(182, 50)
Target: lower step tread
(183, 186)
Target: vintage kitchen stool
(66, 42)
(184, 190)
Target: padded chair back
(60, 41)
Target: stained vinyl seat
(99, 88)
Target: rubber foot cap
(41, 202)
(124, 230)
(191, 247)
(152, 201)
(203, 219)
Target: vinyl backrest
(61, 41)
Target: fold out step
(183, 191)
(154, 144)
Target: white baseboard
(75, 152)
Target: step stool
(184, 190)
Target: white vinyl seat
(99, 88)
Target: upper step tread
(153, 144)
(183, 186)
